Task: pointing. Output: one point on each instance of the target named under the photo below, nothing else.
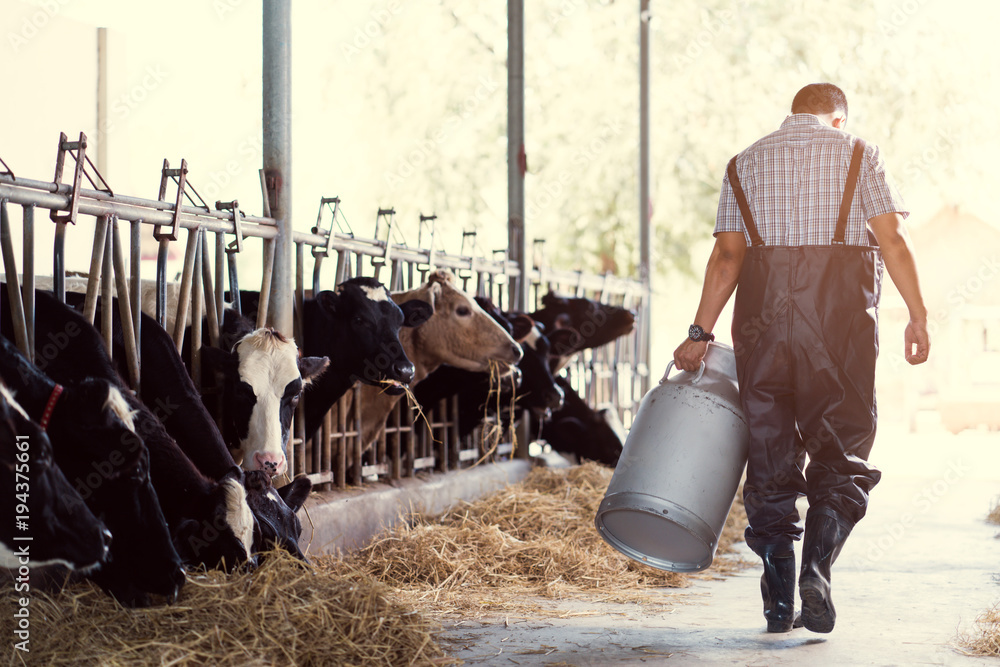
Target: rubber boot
(777, 586)
(825, 535)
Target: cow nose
(403, 371)
(517, 352)
(106, 541)
(269, 462)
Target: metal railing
(615, 375)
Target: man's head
(824, 100)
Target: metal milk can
(680, 468)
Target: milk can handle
(701, 371)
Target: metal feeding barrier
(613, 376)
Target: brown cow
(459, 333)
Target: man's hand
(917, 342)
(689, 354)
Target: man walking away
(807, 216)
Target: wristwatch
(697, 334)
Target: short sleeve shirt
(794, 182)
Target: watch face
(695, 332)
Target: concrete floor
(916, 572)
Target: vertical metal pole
(517, 165)
(277, 94)
(135, 290)
(102, 101)
(644, 193)
(13, 294)
(516, 157)
(107, 274)
(28, 282)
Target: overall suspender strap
(849, 187)
(741, 199)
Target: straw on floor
(533, 539)
(284, 613)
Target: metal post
(516, 157)
(517, 166)
(644, 194)
(277, 50)
(28, 281)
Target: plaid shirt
(794, 181)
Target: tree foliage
(723, 74)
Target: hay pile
(536, 538)
(284, 613)
(984, 639)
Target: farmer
(791, 232)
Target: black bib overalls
(805, 332)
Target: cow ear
(311, 367)
(236, 473)
(295, 494)
(522, 325)
(328, 301)
(416, 312)
(550, 299)
(217, 359)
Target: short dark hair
(820, 99)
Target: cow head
(264, 379)
(539, 391)
(223, 538)
(277, 524)
(363, 324)
(63, 529)
(591, 323)
(459, 333)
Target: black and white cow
(263, 379)
(94, 441)
(276, 510)
(58, 526)
(209, 520)
(357, 327)
(166, 385)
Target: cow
(458, 333)
(263, 380)
(357, 325)
(536, 389)
(165, 384)
(578, 430)
(94, 441)
(592, 324)
(276, 510)
(58, 528)
(210, 519)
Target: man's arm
(721, 276)
(898, 255)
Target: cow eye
(463, 311)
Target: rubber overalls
(805, 333)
